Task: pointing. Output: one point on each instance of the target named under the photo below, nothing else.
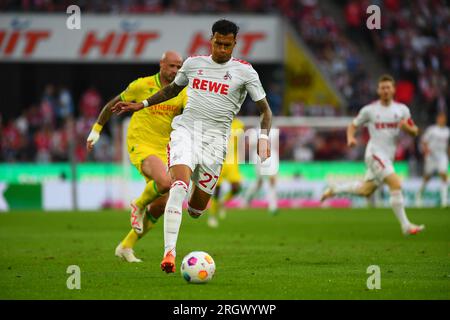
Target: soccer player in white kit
(384, 118)
(267, 171)
(436, 149)
(217, 86)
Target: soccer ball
(198, 267)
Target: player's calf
(195, 213)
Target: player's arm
(424, 143)
(362, 118)
(166, 93)
(425, 148)
(409, 127)
(263, 148)
(102, 119)
(351, 133)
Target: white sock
(398, 207)
(173, 215)
(349, 187)
(251, 192)
(422, 189)
(272, 197)
(444, 192)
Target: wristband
(264, 136)
(145, 103)
(97, 127)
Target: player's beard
(169, 78)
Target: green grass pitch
(298, 254)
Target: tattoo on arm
(166, 93)
(265, 115)
(106, 112)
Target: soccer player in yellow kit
(230, 172)
(147, 138)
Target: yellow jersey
(237, 129)
(151, 126)
(230, 168)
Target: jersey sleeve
(406, 113)
(253, 86)
(363, 117)
(132, 91)
(426, 136)
(182, 78)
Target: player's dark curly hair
(225, 27)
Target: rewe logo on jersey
(386, 125)
(211, 86)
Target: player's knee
(365, 192)
(195, 213)
(235, 188)
(163, 185)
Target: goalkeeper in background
(147, 138)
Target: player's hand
(351, 142)
(92, 139)
(263, 149)
(121, 107)
(403, 124)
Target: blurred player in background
(436, 149)
(266, 171)
(230, 173)
(384, 118)
(217, 87)
(147, 137)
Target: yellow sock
(150, 193)
(228, 196)
(213, 207)
(132, 237)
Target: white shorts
(204, 158)
(378, 169)
(270, 166)
(433, 165)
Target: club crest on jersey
(200, 72)
(227, 76)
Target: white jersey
(436, 138)
(215, 93)
(383, 124)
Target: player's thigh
(273, 180)
(430, 167)
(368, 188)
(378, 169)
(199, 198)
(154, 168)
(393, 181)
(180, 154)
(443, 168)
(180, 172)
(426, 177)
(444, 176)
(205, 178)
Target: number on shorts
(204, 182)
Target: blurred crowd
(48, 131)
(414, 43)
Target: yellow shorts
(138, 153)
(230, 173)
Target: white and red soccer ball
(198, 267)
